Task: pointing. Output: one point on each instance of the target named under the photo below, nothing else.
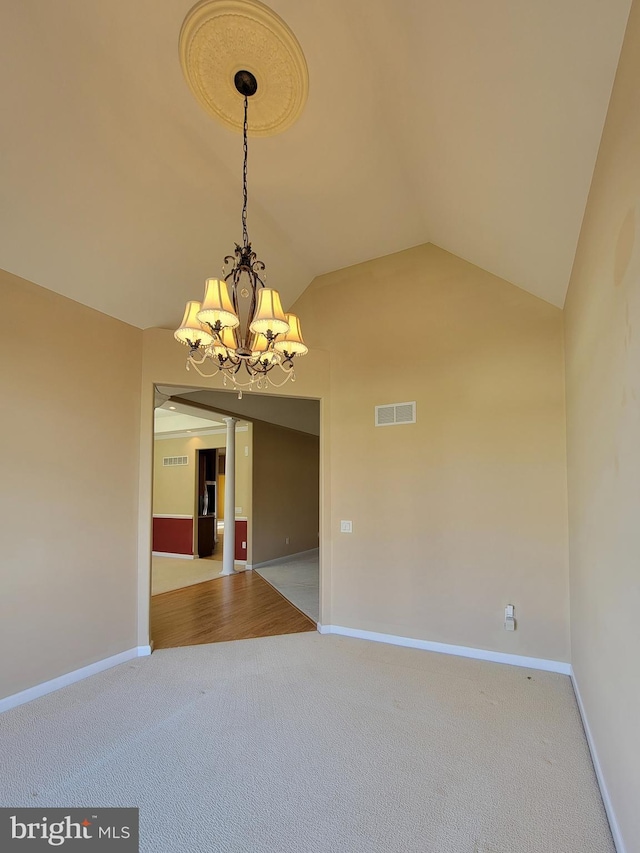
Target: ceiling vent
(169, 461)
(396, 413)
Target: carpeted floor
(307, 743)
(297, 580)
(169, 573)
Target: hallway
(298, 579)
(236, 607)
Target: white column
(229, 544)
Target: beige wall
(285, 492)
(453, 517)
(174, 488)
(69, 499)
(602, 317)
(464, 512)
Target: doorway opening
(273, 517)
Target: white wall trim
(287, 559)
(169, 515)
(171, 554)
(196, 433)
(445, 648)
(606, 799)
(71, 677)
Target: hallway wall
(174, 487)
(286, 491)
(602, 317)
(69, 498)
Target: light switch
(509, 618)
(346, 527)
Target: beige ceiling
(473, 125)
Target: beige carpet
(297, 580)
(309, 744)
(169, 573)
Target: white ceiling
(174, 417)
(473, 125)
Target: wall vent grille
(396, 413)
(169, 461)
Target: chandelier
(239, 330)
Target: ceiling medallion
(220, 38)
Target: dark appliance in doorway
(206, 530)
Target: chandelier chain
(245, 235)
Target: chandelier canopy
(239, 329)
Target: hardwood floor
(230, 608)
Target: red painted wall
(241, 536)
(173, 535)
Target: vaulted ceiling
(473, 125)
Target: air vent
(396, 413)
(168, 461)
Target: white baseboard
(445, 648)
(287, 559)
(606, 799)
(176, 556)
(71, 677)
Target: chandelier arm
(262, 368)
(233, 362)
(202, 352)
(254, 377)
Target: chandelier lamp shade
(240, 330)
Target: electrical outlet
(246, 451)
(286, 541)
(346, 527)
(244, 544)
